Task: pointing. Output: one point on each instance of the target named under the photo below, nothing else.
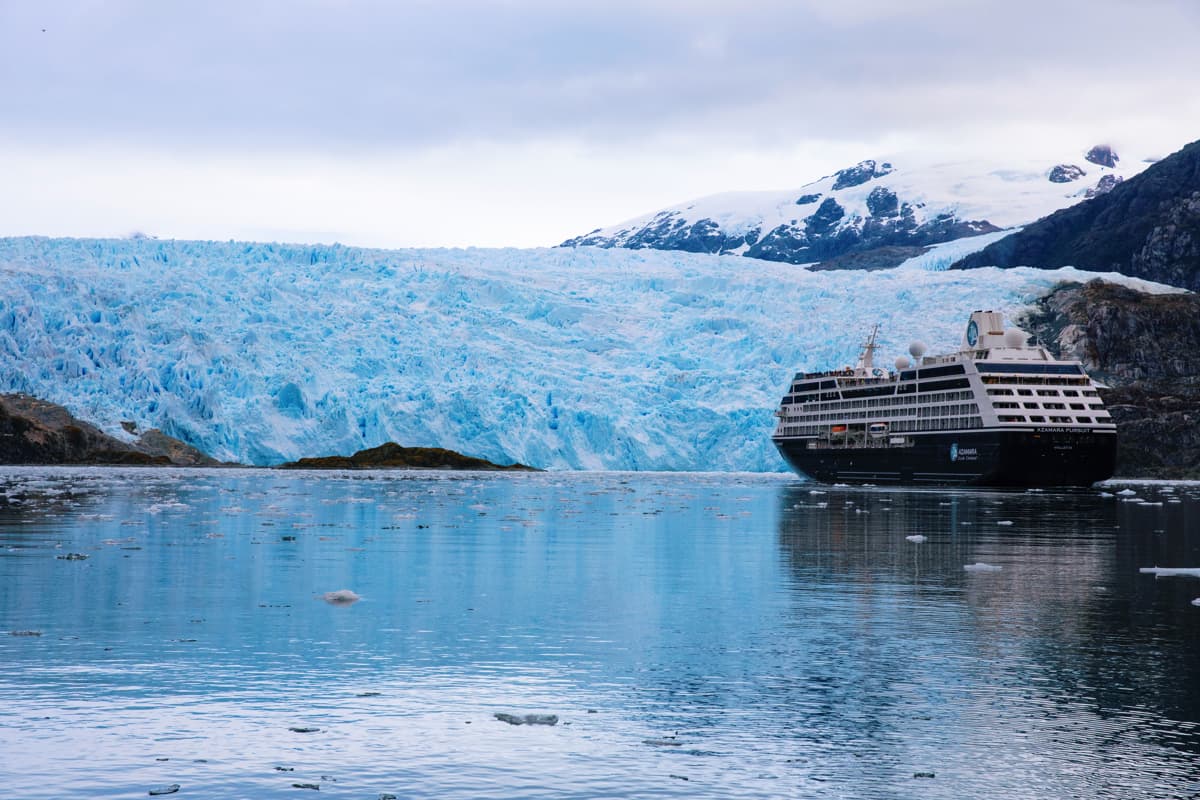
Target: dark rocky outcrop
(806, 199)
(879, 258)
(1146, 348)
(1103, 155)
(882, 202)
(1147, 226)
(860, 173)
(34, 431)
(1065, 173)
(1103, 186)
(392, 455)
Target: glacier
(560, 358)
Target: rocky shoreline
(37, 432)
(34, 431)
(393, 456)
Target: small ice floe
(1004, 522)
(341, 597)
(1196, 602)
(527, 719)
(1171, 572)
(666, 741)
(1127, 493)
(916, 538)
(1106, 494)
(157, 790)
(840, 485)
(815, 491)
(979, 566)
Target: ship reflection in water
(694, 635)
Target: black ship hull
(980, 458)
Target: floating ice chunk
(527, 719)
(1196, 602)
(916, 538)
(979, 566)
(1106, 494)
(1004, 522)
(815, 491)
(1171, 572)
(1127, 492)
(341, 597)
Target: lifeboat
(878, 429)
(837, 430)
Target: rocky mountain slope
(1147, 349)
(1147, 226)
(33, 431)
(872, 215)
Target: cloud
(340, 77)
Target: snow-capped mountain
(874, 214)
(557, 358)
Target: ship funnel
(916, 349)
(902, 362)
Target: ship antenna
(866, 361)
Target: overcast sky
(519, 122)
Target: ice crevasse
(558, 358)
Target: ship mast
(866, 359)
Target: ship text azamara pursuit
(999, 412)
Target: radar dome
(916, 349)
(1015, 337)
(902, 362)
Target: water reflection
(1063, 666)
(698, 635)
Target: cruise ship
(1002, 411)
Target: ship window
(995, 392)
(1077, 406)
(1011, 419)
(1085, 420)
(1031, 405)
(1037, 419)
(1090, 393)
(1025, 392)
(1097, 407)
(1048, 392)
(1006, 405)
(1056, 406)
(1060, 419)
(1070, 393)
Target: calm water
(697, 636)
